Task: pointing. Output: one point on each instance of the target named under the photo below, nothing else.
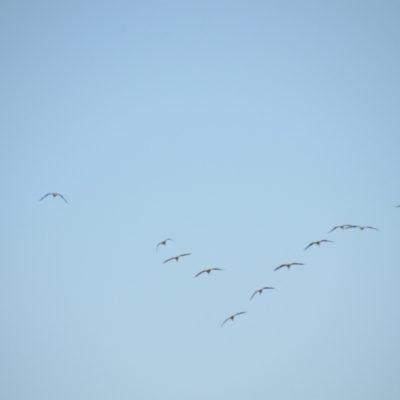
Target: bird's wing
(169, 259)
(200, 273)
(158, 246)
(324, 240)
(45, 196)
(186, 254)
(333, 229)
(253, 294)
(216, 269)
(371, 227)
(225, 321)
(267, 287)
(283, 265)
(297, 264)
(63, 198)
(242, 312)
(310, 245)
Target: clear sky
(243, 130)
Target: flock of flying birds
(288, 265)
(208, 271)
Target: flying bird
(318, 242)
(177, 257)
(345, 226)
(54, 195)
(164, 242)
(362, 227)
(260, 291)
(208, 271)
(232, 317)
(287, 265)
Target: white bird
(260, 291)
(54, 195)
(177, 257)
(208, 271)
(232, 317)
(318, 242)
(164, 242)
(287, 265)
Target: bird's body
(54, 195)
(318, 242)
(232, 317)
(176, 258)
(164, 242)
(260, 291)
(208, 271)
(345, 226)
(287, 265)
(362, 227)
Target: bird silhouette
(260, 291)
(164, 242)
(340, 226)
(177, 257)
(318, 242)
(232, 317)
(54, 195)
(362, 227)
(208, 271)
(287, 265)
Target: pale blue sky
(242, 130)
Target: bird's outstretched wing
(186, 254)
(254, 294)
(310, 245)
(48, 194)
(225, 321)
(169, 259)
(371, 227)
(200, 273)
(242, 312)
(63, 198)
(281, 266)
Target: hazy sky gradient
(242, 130)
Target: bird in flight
(260, 291)
(362, 227)
(177, 257)
(208, 271)
(287, 265)
(54, 195)
(232, 317)
(345, 226)
(318, 242)
(164, 242)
